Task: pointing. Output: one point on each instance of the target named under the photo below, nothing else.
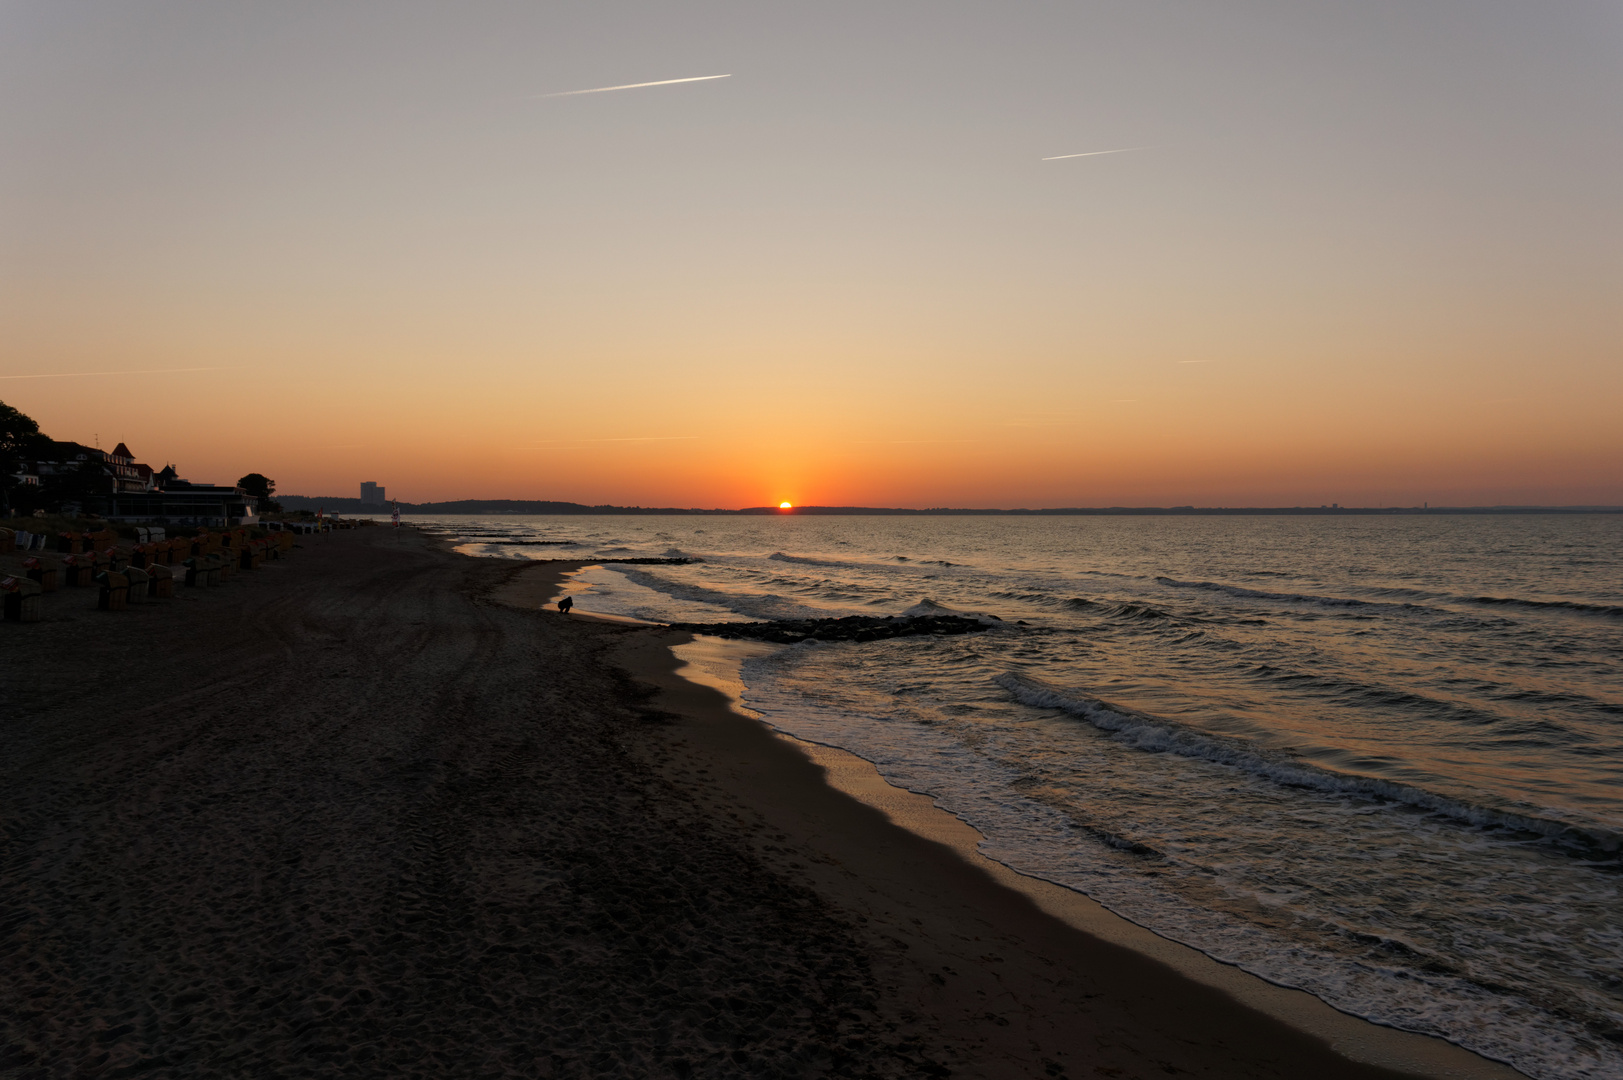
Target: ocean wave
(1128, 611)
(778, 556)
(1486, 725)
(1157, 734)
(1263, 594)
(1406, 592)
(1023, 597)
(748, 605)
(927, 606)
(802, 560)
(1609, 611)
(1123, 610)
(530, 543)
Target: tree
(76, 486)
(20, 441)
(260, 487)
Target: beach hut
(140, 584)
(78, 571)
(19, 599)
(115, 591)
(44, 573)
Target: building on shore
(372, 493)
(180, 502)
(112, 484)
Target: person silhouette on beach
(565, 604)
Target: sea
(1375, 758)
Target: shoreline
(682, 668)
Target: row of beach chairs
(135, 574)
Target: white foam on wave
(1157, 734)
(927, 607)
(746, 605)
(609, 589)
(1040, 840)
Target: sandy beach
(367, 811)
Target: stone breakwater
(850, 628)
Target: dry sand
(354, 814)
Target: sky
(1367, 253)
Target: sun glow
(784, 506)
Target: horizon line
(1327, 509)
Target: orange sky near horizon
(1365, 256)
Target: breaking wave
(928, 606)
(1157, 734)
(747, 605)
(1609, 611)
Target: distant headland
(541, 506)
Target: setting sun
(784, 506)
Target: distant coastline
(534, 506)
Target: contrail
(633, 86)
(1096, 153)
(84, 374)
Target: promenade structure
(113, 484)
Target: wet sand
(354, 813)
